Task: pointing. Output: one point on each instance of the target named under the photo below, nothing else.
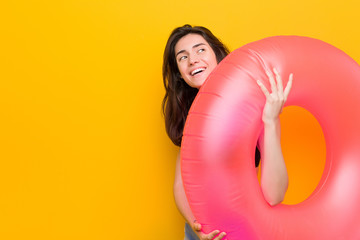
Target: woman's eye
(182, 58)
(201, 50)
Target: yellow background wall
(83, 150)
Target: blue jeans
(189, 233)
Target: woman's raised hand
(277, 98)
(214, 235)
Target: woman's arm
(179, 194)
(274, 178)
(184, 208)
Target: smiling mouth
(197, 71)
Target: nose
(193, 59)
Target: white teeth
(196, 71)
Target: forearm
(274, 178)
(182, 203)
(184, 207)
(180, 196)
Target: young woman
(191, 54)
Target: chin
(199, 84)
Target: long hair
(179, 95)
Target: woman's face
(195, 59)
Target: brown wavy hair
(179, 95)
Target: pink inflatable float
(224, 123)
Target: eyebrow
(195, 46)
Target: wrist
(271, 122)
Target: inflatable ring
(224, 123)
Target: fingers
(276, 87)
(263, 88)
(221, 236)
(276, 98)
(213, 235)
(271, 80)
(279, 85)
(288, 86)
(197, 226)
(278, 80)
